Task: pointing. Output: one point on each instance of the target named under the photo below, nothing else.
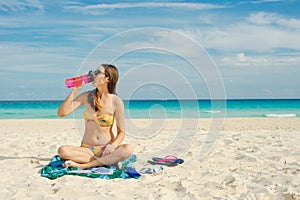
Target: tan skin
(95, 134)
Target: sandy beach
(249, 158)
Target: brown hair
(112, 73)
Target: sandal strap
(168, 158)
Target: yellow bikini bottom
(97, 150)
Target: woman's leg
(76, 154)
(122, 152)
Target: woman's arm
(120, 121)
(70, 104)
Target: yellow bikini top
(106, 119)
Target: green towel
(55, 170)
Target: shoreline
(251, 158)
(229, 124)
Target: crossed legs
(83, 158)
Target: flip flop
(166, 163)
(171, 159)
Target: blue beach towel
(55, 170)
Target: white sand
(251, 159)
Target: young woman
(99, 145)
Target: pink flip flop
(167, 160)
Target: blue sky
(254, 45)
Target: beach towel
(55, 170)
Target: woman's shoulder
(116, 99)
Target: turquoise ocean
(248, 108)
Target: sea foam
(281, 115)
(212, 111)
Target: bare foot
(70, 163)
(119, 165)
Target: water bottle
(77, 81)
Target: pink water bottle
(77, 81)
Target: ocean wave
(281, 115)
(212, 111)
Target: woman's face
(100, 78)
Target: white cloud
(265, 18)
(266, 1)
(260, 32)
(290, 23)
(99, 8)
(207, 18)
(193, 6)
(20, 5)
(242, 60)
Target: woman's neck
(102, 91)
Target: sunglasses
(96, 72)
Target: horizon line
(184, 99)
